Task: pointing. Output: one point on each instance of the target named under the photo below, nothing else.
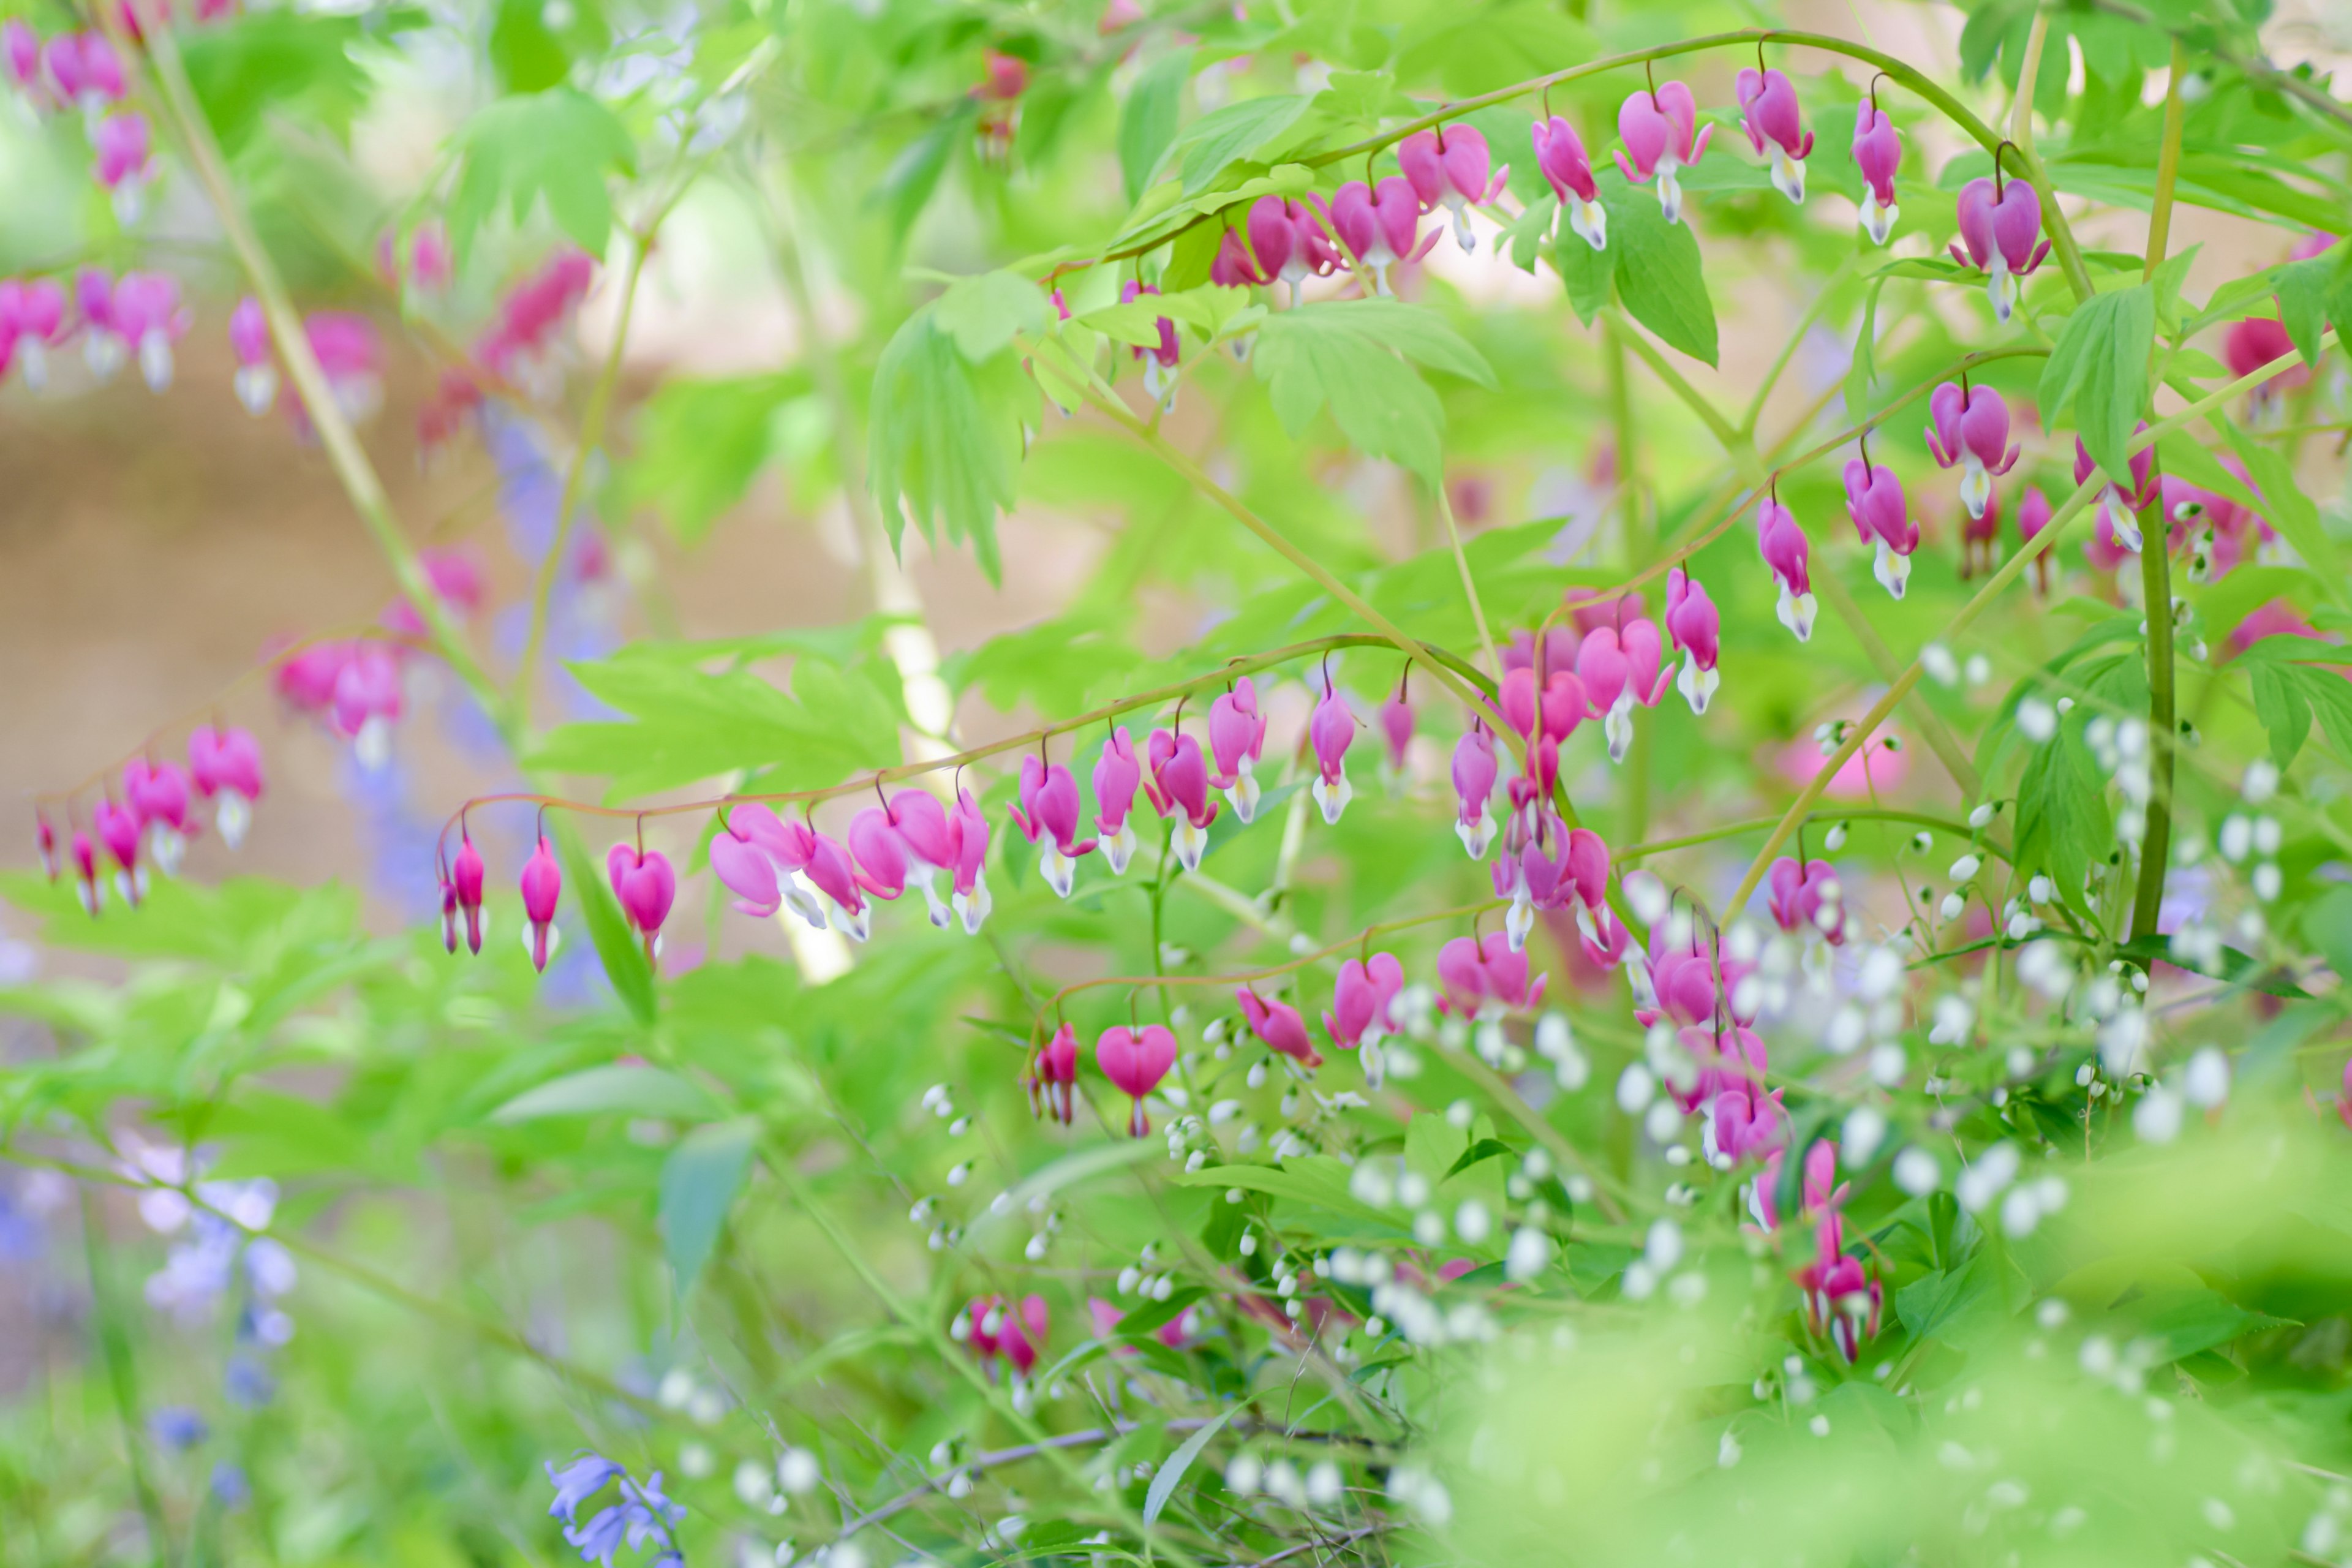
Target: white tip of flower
(1669, 191)
(233, 817)
(1476, 836)
(1893, 570)
(1697, 686)
(1878, 222)
(1796, 612)
(1119, 849)
(1243, 794)
(1332, 797)
(1058, 870)
(257, 388)
(1788, 175)
(1589, 220)
(1191, 843)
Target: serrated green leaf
(2288, 509)
(947, 439)
(2098, 368)
(555, 148)
(984, 313)
(699, 445)
(1214, 143)
(249, 67)
(1147, 122)
(1659, 274)
(1344, 354)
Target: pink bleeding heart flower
(85, 69)
(746, 870)
(1117, 775)
(1135, 1060)
(1971, 433)
(1159, 361)
(147, 313)
(47, 837)
(833, 872)
(1786, 554)
(1772, 118)
(1692, 622)
(830, 897)
(1053, 1078)
(645, 886)
(2002, 230)
(1619, 667)
(2118, 511)
(1233, 267)
(1806, 898)
(1290, 245)
(967, 828)
(1656, 127)
(86, 883)
(2034, 514)
(1236, 740)
(158, 792)
(20, 51)
(1878, 153)
(1278, 1024)
(348, 349)
(1560, 154)
(461, 894)
(1175, 1333)
(1474, 785)
(32, 321)
(1882, 516)
(1364, 1001)
(999, 1332)
(1330, 731)
(455, 578)
(1179, 787)
(1980, 537)
(1447, 167)
(1483, 976)
(1741, 1122)
(1049, 811)
(1379, 228)
(524, 343)
(257, 369)
(430, 260)
(1396, 728)
(2256, 341)
(367, 698)
(103, 347)
(1822, 1193)
(122, 145)
(927, 839)
(226, 772)
(1556, 651)
(879, 852)
(542, 885)
(1842, 1298)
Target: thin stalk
(121, 1376)
(592, 436)
(1734, 443)
(336, 436)
(1469, 585)
(1932, 728)
(1796, 340)
(2021, 134)
(2156, 564)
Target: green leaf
(2302, 290)
(983, 314)
(2327, 926)
(617, 944)
(249, 67)
(2061, 814)
(686, 725)
(613, 1090)
(699, 445)
(1484, 1149)
(555, 147)
(1214, 143)
(1864, 370)
(1344, 354)
(1587, 273)
(906, 186)
(1164, 1484)
(947, 439)
(1147, 122)
(2283, 709)
(530, 56)
(2099, 368)
(698, 1185)
(1318, 1181)
(1531, 231)
(1940, 1304)
(1659, 275)
(2288, 509)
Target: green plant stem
(1469, 584)
(1734, 443)
(1821, 298)
(121, 1376)
(2156, 562)
(2008, 572)
(1758, 824)
(1938, 735)
(592, 436)
(2021, 134)
(336, 436)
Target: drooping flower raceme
(1135, 1060)
(1448, 166)
(1971, 433)
(2002, 231)
(1882, 516)
(1878, 153)
(1785, 551)
(1692, 622)
(1774, 121)
(1049, 812)
(1560, 154)
(1656, 127)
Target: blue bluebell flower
(578, 1481)
(230, 1488)
(601, 1537)
(248, 1383)
(177, 1427)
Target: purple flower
(1560, 154)
(1655, 125)
(578, 1481)
(2002, 231)
(177, 1427)
(1971, 433)
(1878, 151)
(1772, 118)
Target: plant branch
(1733, 442)
(1796, 340)
(2021, 135)
(1469, 584)
(1932, 728)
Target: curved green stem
(2021, 136)
(1732, 441)
(1821, 298)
